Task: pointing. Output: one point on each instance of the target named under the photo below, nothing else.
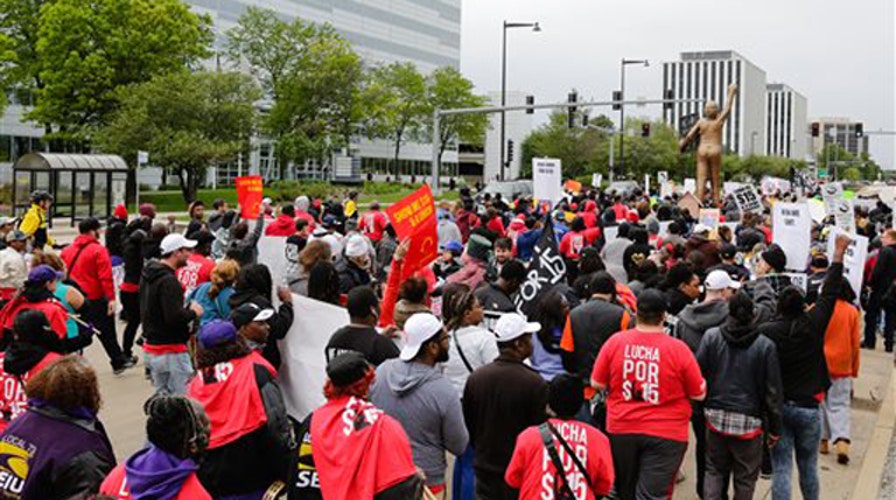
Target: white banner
(791, 230)
(272, 253)
(747, 200)
(831, 193)
(547, 179)
(304, 369)
(853, 259)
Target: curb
(870, 475)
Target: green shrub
(381, 188)
(289, 190)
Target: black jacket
(350, 275)
(165, 319)
(800, 344)
(257, 459)
(114, 235)
(245, 251)
(591, 324)
(493, 298)
(696, 319)
(884, 271)
(676, 300)
(133, 251)
(742, 373)
(280, 322)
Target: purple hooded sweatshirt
(155, 474)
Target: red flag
(249, 193)
(414, 217)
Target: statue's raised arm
(729, 103)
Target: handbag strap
(569, 451)
(545, 430)
(71, 267)
(460, 351)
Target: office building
(425, 32)
(839, 130)
(705, 76)
(786, 126)
(518, 126)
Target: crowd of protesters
(663, 332)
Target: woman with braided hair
(177, 429)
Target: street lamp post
(625, 62)
(536, 28)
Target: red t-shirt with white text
(533, 473)
(197, 271)
(372, 224)
(650, 379)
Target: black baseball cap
(249, 312)
(651, 302)
(728, 251)
(347, 368)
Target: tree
(313, 77)
(397, 93)
(186, 121)
(88, 49)
(448, 89)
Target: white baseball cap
(701, 228)
(356, 246)
(418, 329)
(174, 242)
(512, 326)
(720, 280)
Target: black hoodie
(165, 319)
(742, 373)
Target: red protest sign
(414, 217)
(249, 193)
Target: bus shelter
(81, 185)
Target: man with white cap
(413, 391)
(13, 268)
(700, 241)
(7, 224)
(166, 322)
(501, 399)
(353, 267)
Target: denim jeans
(170, 372)
(801, 434)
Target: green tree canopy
(186, 121)
(448, 89)
(88, 49)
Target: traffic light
(860, 130)
(509, 151)
(816, 129)
(617, 96)
(645, 129)
(668, 95)
(572, 98)
(530, 100)
(585, 120)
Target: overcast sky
(838, 54)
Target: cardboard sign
(689, 202)
(731, 187)
(844, 216)
(853, 259)
(667, 189)
(816, 208)
(710, 217)
(690, 185)
(771, 185)
(747, 200)
(596, 180)
(831, 193)
(414, 217)
(791, 230)
(661, 177)
(800, 280)
(547, 179)
(249, 193)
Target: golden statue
(709, 154)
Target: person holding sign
(798, 335)
(709, 154)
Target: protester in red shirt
(89, 265)
(177, 429)
(576, 239)
(35, 346)
(619, 208)
(285, 223)
(199, 265)
(533, 469)
(301, 209)
(358, 450)
(650, 378)
(373, 223)
(495, 223)
(589, 215)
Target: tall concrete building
(518, 126)
(840, 130)
(705, 76)
(786, 128)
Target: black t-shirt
(364, 339)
